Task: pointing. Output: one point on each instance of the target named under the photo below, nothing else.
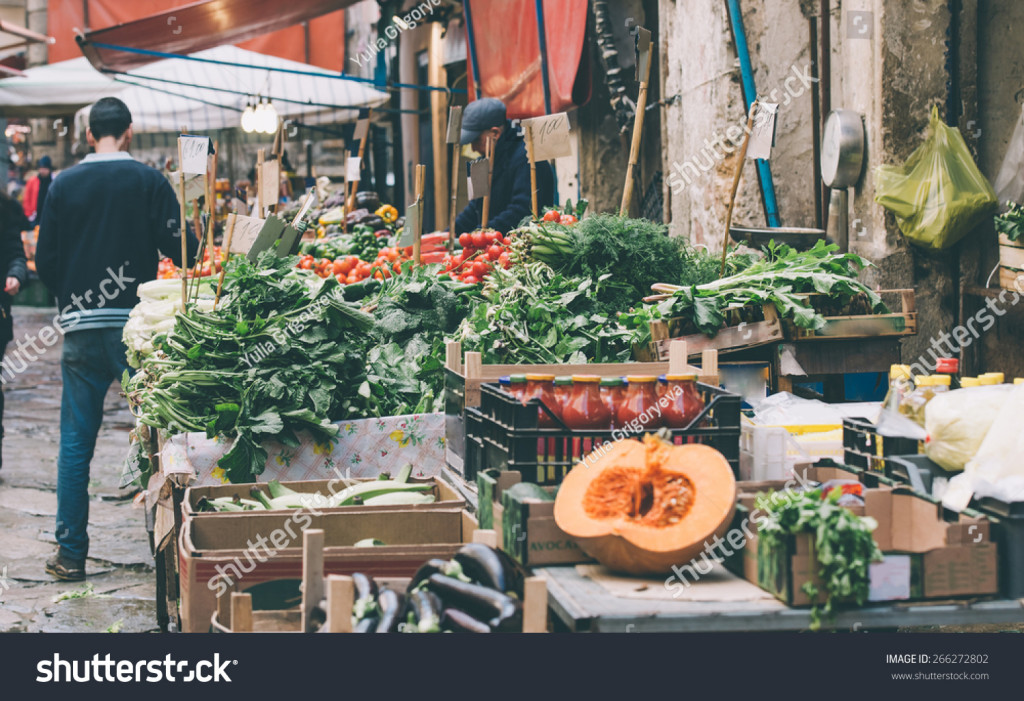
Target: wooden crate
(234, 612)
(902, 323)
(730, 338)
(1011, 263)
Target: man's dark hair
(109, 117)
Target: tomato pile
(481, 251)
(350, 269)
(167, 270)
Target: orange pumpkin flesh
(640, 508)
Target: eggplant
(392, 606)
(356, 215)
(461, 622)
(485, 566)
(426, 609)
(366, 625)
(365, 605)
(499, 610)
(434, 566)
(368, 199)
(372, 221)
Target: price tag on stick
(270, 182)
(643, 54)
(362, 129)
(550, 136)
(412, 225)
(479, 170)
(195, 154)
(245, 233)
(454, 134)
(762, 137)
(352, 167)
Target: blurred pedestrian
(37, 188)
(12, 260)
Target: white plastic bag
(1009, 185)
(958, 421)
(997, 469)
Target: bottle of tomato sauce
(585, 409)
(517, 386)
(683, 401)
(612, 391)
(563, 390)
(639, 403)
(541, 387)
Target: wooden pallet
(902, 323)
(1011, 261)
(234, 612)
(730, 338)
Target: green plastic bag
(938, 195)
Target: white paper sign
(195, 153)
(352, 168)
(362, 129)
(195, 186)
(762, 136)
(270, 182)
(245, 232)
(412, 225)
(550, 135)
(478, 176)
(454, 134)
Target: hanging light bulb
(249, 118)
(268, 118)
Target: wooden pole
(634, 149)
(486, 210)
(533, 169)
(347, 208)
(184, 241)
(736, 183)
(259, 183)
(417, 241)
(226, 253)
(350, 198)
(453, 212)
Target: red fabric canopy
(508, 53)
(167, 26)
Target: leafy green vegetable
(1011, 222)
(782, 277)
(843, 544)
(530, 314)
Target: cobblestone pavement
(119, 592)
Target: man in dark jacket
(104, 225)
(12, 260)
(510, 173)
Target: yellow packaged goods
(926, 388)
(958, 421)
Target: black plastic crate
(863, 447)
(1008, 532)
(455, 422)
(511, 439)
(916, 470)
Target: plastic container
(509, 437)
(901, 384)
(563, 390)
(970, 382)
(863, 447)
(926, 387)
(991, 378)
(612, 389)
(584, 409)
(542, 387)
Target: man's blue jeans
(90, 361)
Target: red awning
(509, 60)
(195, 27)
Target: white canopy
(161, 95)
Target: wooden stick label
(550, 136)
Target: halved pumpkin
(640, 508)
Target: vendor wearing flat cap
(510, 176)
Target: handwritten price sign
(550, 135)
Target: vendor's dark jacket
(12, 259)
(510, 187)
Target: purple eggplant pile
(474, 592)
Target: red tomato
(465, 240)
(494, 252)
(503, 260)
(471, 279)
(480, 268)
(490, 236)
(567, 219)
(478, 239)
(306, 264)
(338, 266)
(551, 215)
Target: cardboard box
(525, 528)
(218, 555)
(447, 498)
